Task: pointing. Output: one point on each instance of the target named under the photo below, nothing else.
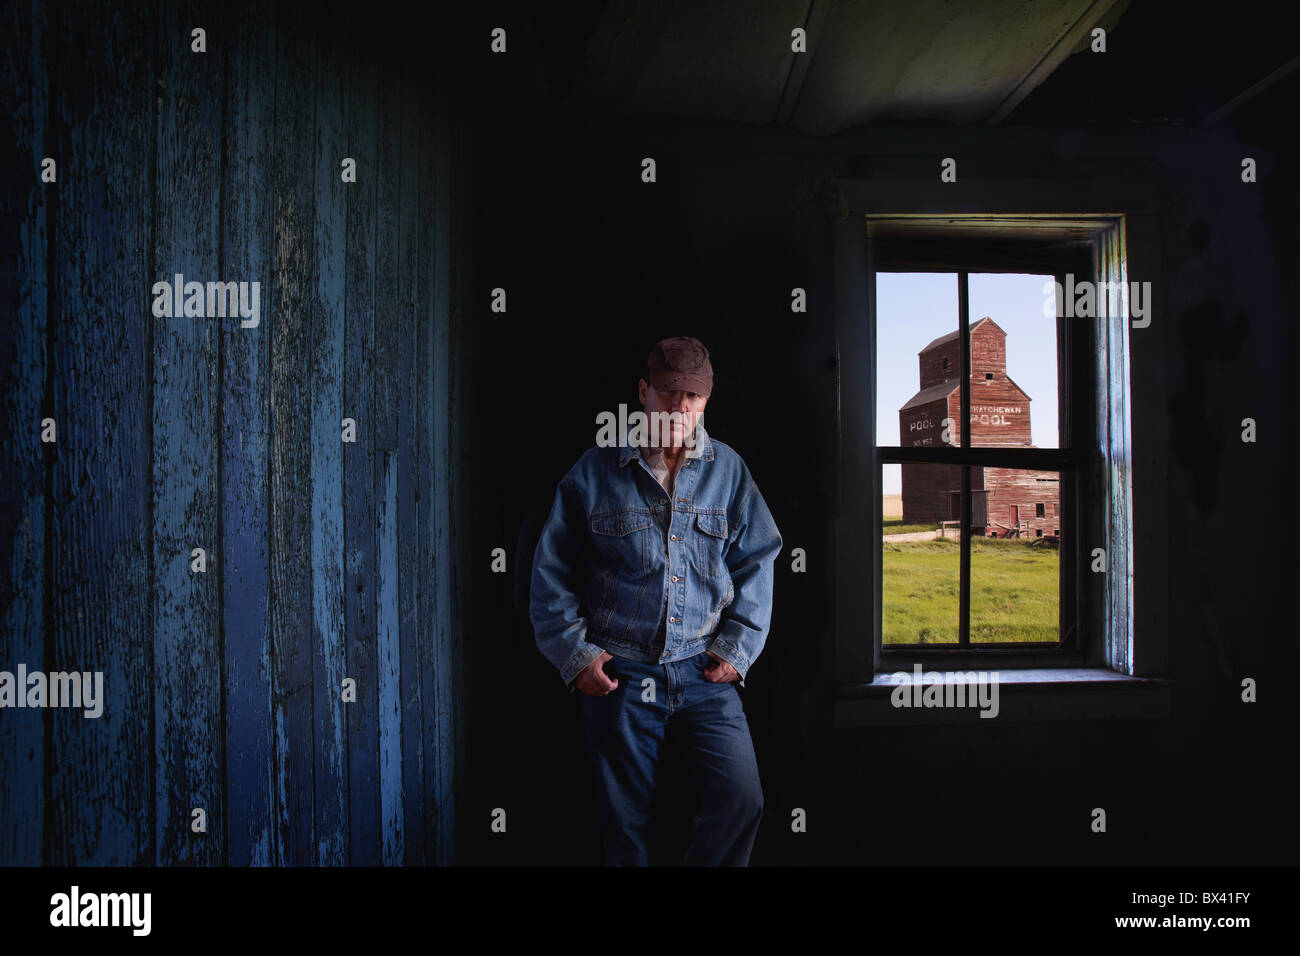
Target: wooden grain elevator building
(1007, 502)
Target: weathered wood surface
(409, 585)
(290, 333)
(324, 560)
(186, 620)
(388, 463)
(360, 521)
(248, 252)
(101, 774)
(330, 258)
(26, 201)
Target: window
(963, 464)
(1090, 465)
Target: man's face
(688, 406)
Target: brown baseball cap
(680, 363)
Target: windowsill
(1072, 693)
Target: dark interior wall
(325, 560)
(599, 265)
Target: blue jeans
(625, 732)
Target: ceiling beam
(1054, 57)
(800, 62)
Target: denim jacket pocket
(622, 538)
(711, 544)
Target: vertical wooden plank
(187, 652)
(1145, 348)
(327, 447)
(1115, 652)
(290, 333)
(247, 253)
(365, 840)
(390, 664)
(407, 530)
(1114, 413)
(440, 470)
(100, 771)
(24, 103)
(384, 411)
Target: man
(651, 593)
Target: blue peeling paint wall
(323, 560)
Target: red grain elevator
(1006, 502)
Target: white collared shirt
(654, 459)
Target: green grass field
(1014, 591)
(896, 526)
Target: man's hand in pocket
(593, 681)
(720, 671)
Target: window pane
(920, 568)
(1015, 567)
(1013, 361)
(912, 309)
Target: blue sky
(917, 307)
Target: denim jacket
(620, 568)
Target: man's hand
(593, 681)
(720, 671)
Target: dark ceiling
(1010, 62)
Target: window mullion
(964, 364)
